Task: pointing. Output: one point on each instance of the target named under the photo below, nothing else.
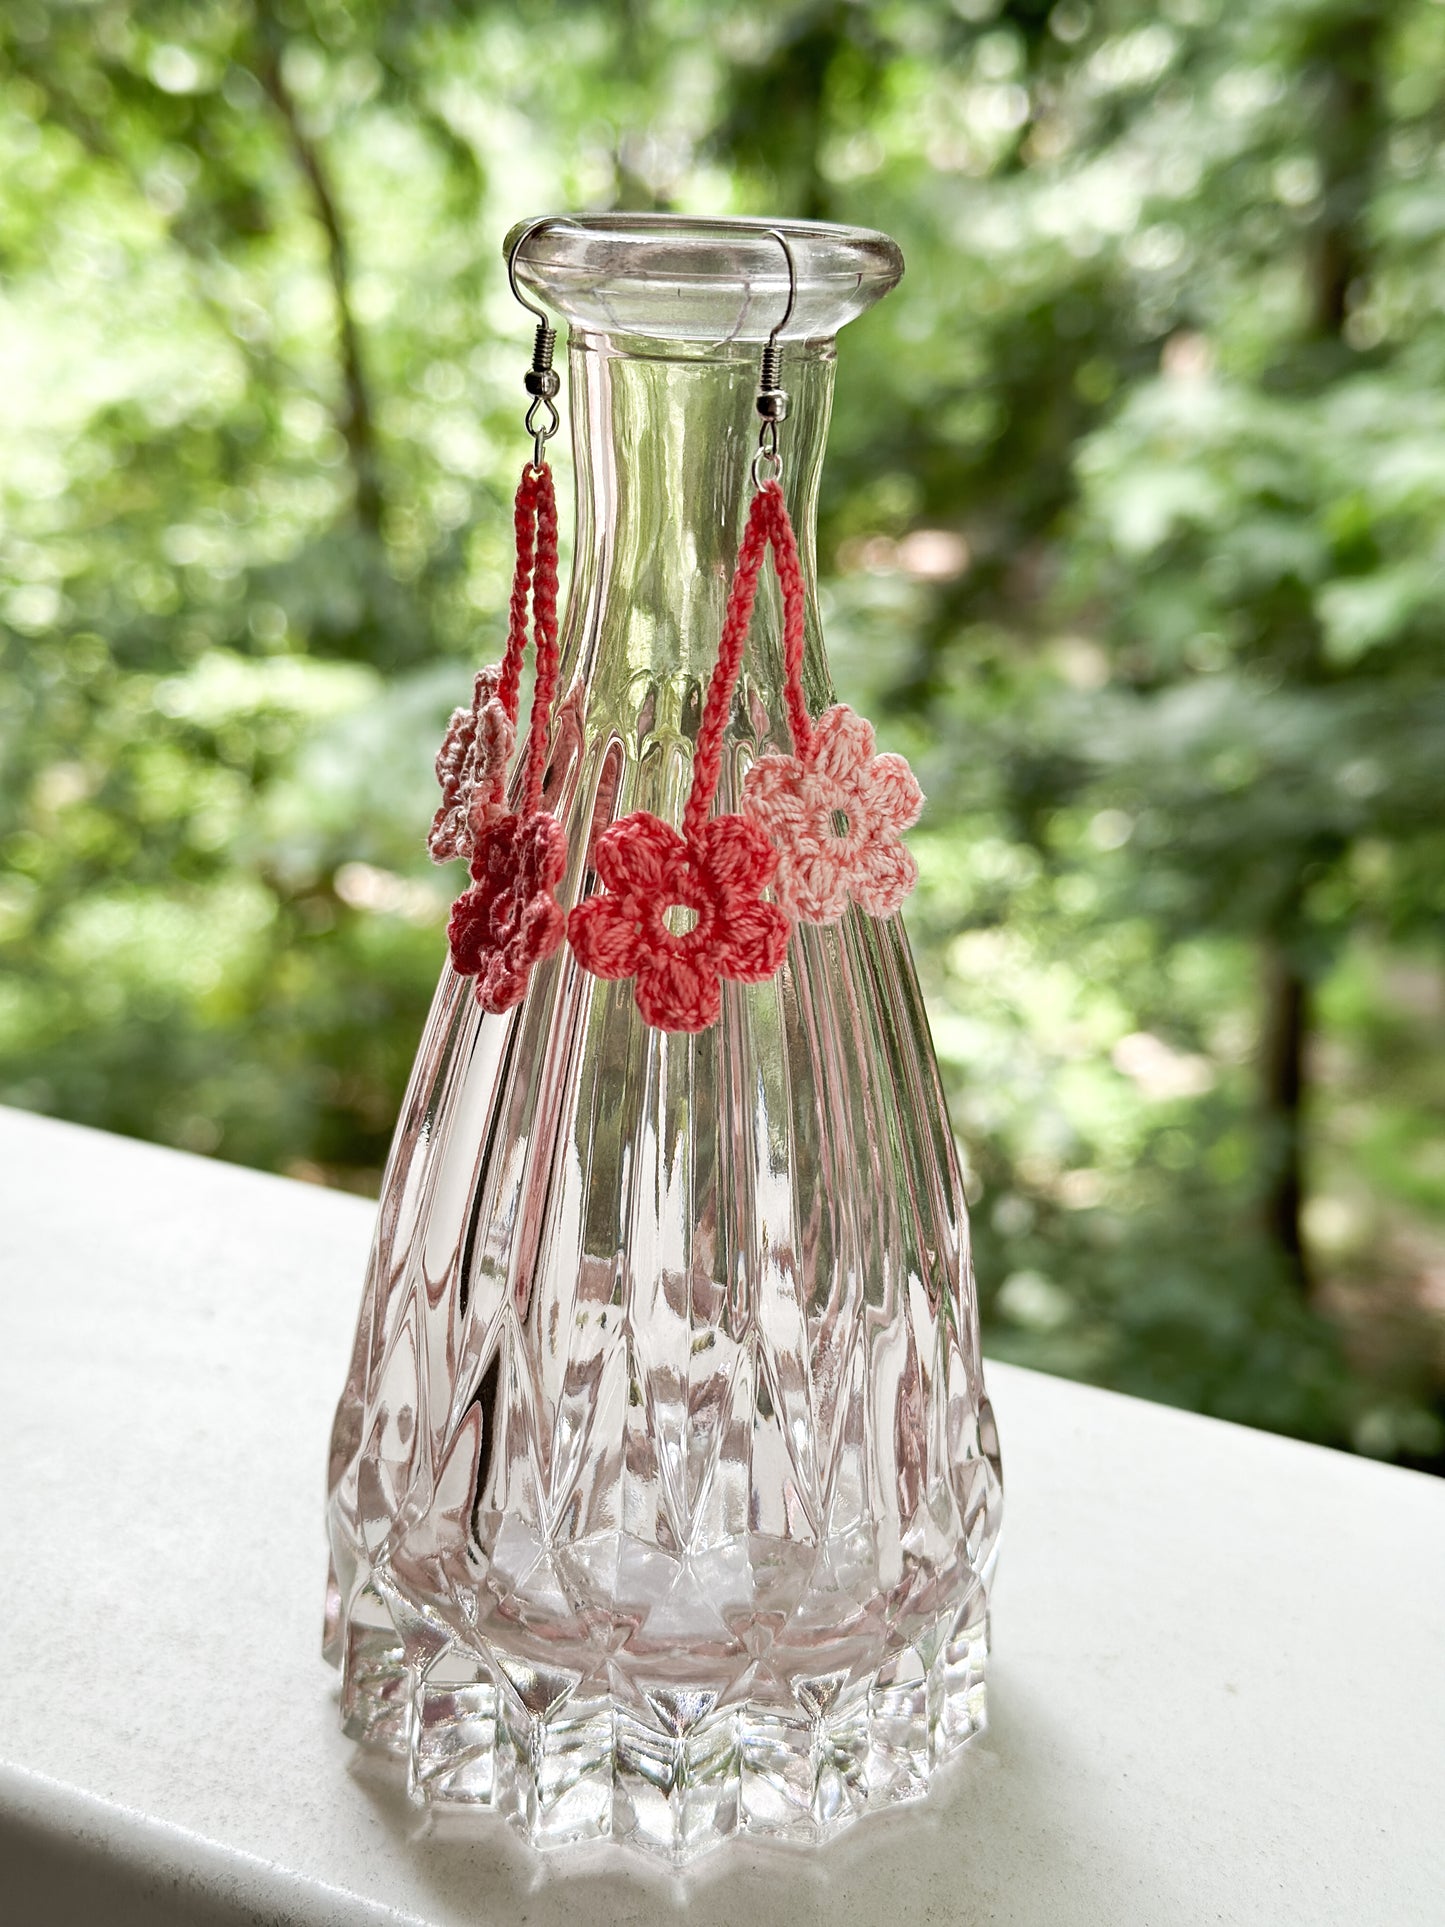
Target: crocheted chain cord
(544, 610)
(717, 868)
(526, 519)
(767, 523)
(833, 777)
(510, 918)
(471, 765)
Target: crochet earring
(717, 868)
(833, 810)
(508, 918)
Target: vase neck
(663, 437)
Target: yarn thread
(509, 918)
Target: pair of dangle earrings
(815, 830)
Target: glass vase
(664, 1489)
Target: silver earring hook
(542, 381)
(783, 242)
(772, 397)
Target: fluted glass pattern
(664, 1490)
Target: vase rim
(723, 278)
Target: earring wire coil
(542, 381)
(772, 397)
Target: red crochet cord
(767, 523)
(534, 516)
(524, 521)
(537, 481)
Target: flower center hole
(839, 820)
(681, 919)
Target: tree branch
(1283, 1073)
(356, 420)
(1340, 65)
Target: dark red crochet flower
(510, 918)
(720, 875)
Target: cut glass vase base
(672, 1770)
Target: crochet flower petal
(471, 767)
(736, 856)
(811, 885)
(893, 791)
(502, 979)
(639, 852)
(606, 935)
(754, 942)
(467, 930)
(771, 791)
(881, 875)
(842, 740)
(501, 983)
(544, 924)
(509, 919)
(489, 801)
(454, 746)
(496, 737)
(447, 826)
(541, 851)
(494, 856)
(678, 993)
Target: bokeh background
(1133, 538)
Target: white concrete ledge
(1217, 1695)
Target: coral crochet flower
(834, 812)
(471, 768)
(715, 867)
(510, 918)
(719, 875)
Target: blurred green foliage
(1133, 538)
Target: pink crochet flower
(471, 767)
(510, 917)
(834, 814)
(719, 875)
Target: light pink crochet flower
(834, 814)
(471, 767)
